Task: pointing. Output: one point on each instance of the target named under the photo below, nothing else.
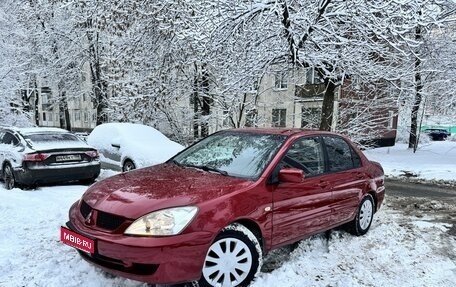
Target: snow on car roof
(36, 130)
(132, 131)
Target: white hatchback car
(127, 146)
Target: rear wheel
(8, 177)
(363, 220)
(128, 165)
(233, 259)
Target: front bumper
(30, 175)
(159, 260)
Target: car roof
(282, 131)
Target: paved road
(400, 188)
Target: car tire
(128, 165)
(88, 181)
(363, 220)
(8, 177)
(235, 241)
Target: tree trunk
(64, 114)
(99, 86)
(196, 112)
(37, 114)
(201, 102)
(413, 139)
(67, 117)
(327, 109)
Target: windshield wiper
(207, 168)
(176, 162)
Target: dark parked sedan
(31, 156)
(211, 212)
(437, 134)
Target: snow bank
(433, 161)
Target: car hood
(138, 192)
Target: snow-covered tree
(14, 56)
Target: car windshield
(51, 137)
(238, 154)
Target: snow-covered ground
(409, 244)
(432, 161)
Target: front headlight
(164, 222)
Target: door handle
(323, 184)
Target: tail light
(92, 153)
(36, 156)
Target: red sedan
(210, 213)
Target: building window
(46, 95)
(279, 117)
(312, 77)
(94, 117)
(77, 115)
(44, 116)
(281, 80)
(86, 117)
(56, 117)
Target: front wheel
(8, 177)
(363, 220)
(128, 165)
(233, 259)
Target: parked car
(31, 156)
(437, 134)
(126, 146)
(212, 211)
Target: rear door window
(340, 154)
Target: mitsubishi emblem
(88, 219)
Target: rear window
(52, 137)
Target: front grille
(109, 221)
(85, 209)
(104, 220)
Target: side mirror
(293, 175)
(116, 145)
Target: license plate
(68, 157)
(77, 240)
